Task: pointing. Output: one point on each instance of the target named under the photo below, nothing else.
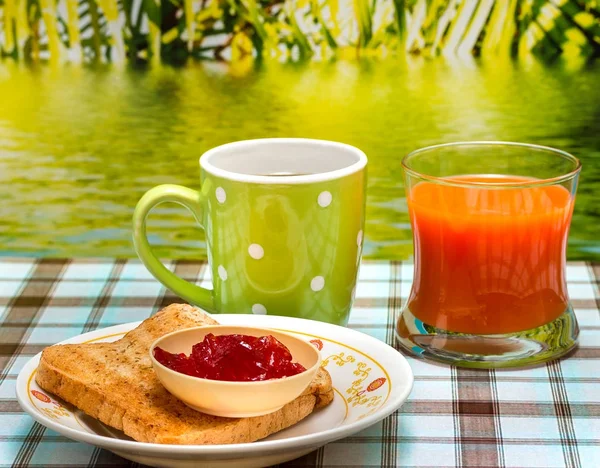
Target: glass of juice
(490, 223)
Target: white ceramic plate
(371, 380)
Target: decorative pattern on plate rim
(51, 408)
(317, 344)
(340, 359)
(356, 390)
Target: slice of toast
(115, 383)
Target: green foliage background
(237, 30)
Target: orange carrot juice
(489, 260)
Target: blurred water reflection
(79, 146)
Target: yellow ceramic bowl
(234, 399)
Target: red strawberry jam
(235, 358)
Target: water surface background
(80, 145)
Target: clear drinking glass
(490, 223)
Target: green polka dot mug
(284, 223)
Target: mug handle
(189, 198)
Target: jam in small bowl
(234, 371)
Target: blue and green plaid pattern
(548, 416)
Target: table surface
(547, 416)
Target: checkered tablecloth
(543, 417)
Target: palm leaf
(362, 11)
(501, 20)
(316, 11)
(254, 16)
(33, 15)
(73, 24)
(400, 17)
(111, 13)
(10, 22)
(190, 23)
(414, 39)
(459, 26)
(152, 10)
(478, 22)
(442, 24)
(300, 38)
(436, 11)
(585, 24)
(22, 25)
(50, 18)
(93, 28)
(334, 9)
(549, 28)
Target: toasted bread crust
(115, 383)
